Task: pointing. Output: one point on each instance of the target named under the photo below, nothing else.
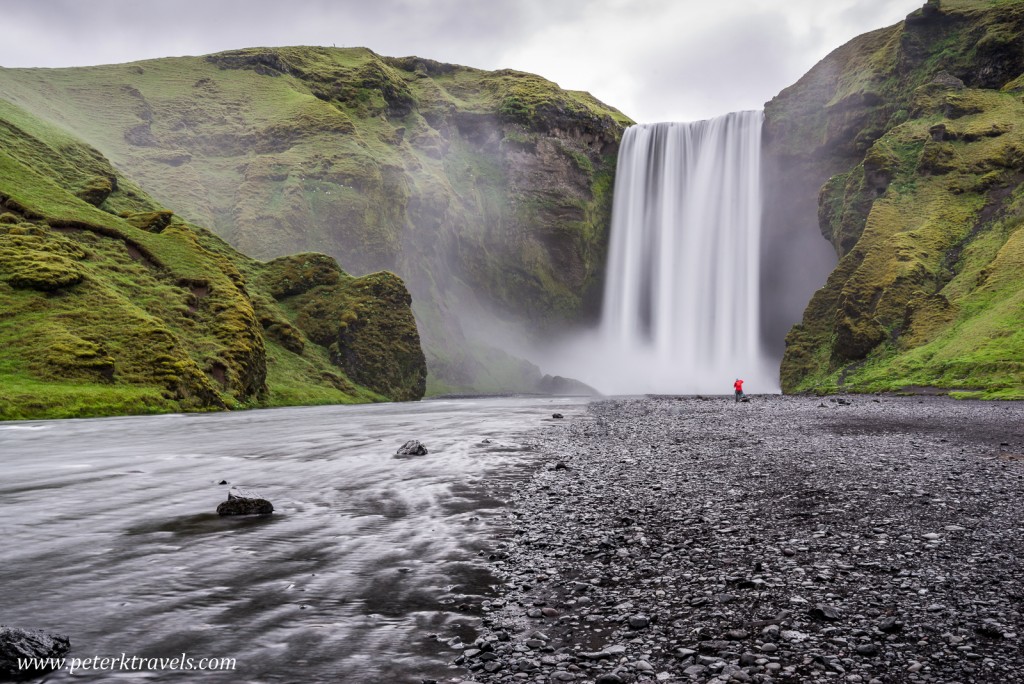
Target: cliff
(488, 192)
(110, 304)
(909, 142)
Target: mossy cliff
(109, 304)
(486, 191)
(911, 139)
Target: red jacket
(738, 385)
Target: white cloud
(653, 59)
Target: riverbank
(785, 539)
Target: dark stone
(609, 678)
(823, 612)
(561, 466)
(24, 643)
(889, 625)
(223, 482)
(557, 415)
(240, 505)
(412, 448)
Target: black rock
(561, 466)
(240, 505)
(557, 415)
(25, 643)
(889, 625)
(824, 612)
(223, 482)
(412, 448)
(610, 678)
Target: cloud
(653, 59)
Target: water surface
(110, 535)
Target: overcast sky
(656, 60)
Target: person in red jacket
(738, 386)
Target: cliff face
(109, 304)
(910, 143)
(488, 192)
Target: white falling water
(682, 284)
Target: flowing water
(110, 535)
(681, 300)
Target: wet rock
(824, 612)
(18, 643)
(639, 621)
(711, 533)
(412, 448)
(609, 678)
(889, 625)
(240, 505)
(557, 416)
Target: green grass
(119, 307)
(931, 291)
(404, 165)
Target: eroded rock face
(365, 324)
(902, 146)
(24, 644)
(489, 190)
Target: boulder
(412, 448)
(241, 505)
(18, 644)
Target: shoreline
(785, 539)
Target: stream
(110, 535)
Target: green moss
(104, 313)
(404, 165)
(930, 293)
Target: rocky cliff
(909, 142)
(488, 192)
(110, 304)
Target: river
(110, 535)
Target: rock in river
(412, 448)
(18, 644)
(240, 505)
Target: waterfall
(682, 282)
(683, 276)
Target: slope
(915, 136)
(488, 192)
(109, 304)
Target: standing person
(738, 386)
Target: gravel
(788, 539)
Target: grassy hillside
(486, 191)
(915, 136)
(109, 304)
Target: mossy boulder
(365, 324)
(150, 221)
(42, 262)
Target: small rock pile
(784, 540)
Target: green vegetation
(495, 184)
(111, 305)
(924, 208)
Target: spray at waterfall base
(681, 307)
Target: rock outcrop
(905, 146)
(123, 308)
(488, 193)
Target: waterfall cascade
(682, 286)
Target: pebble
(786, 544)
